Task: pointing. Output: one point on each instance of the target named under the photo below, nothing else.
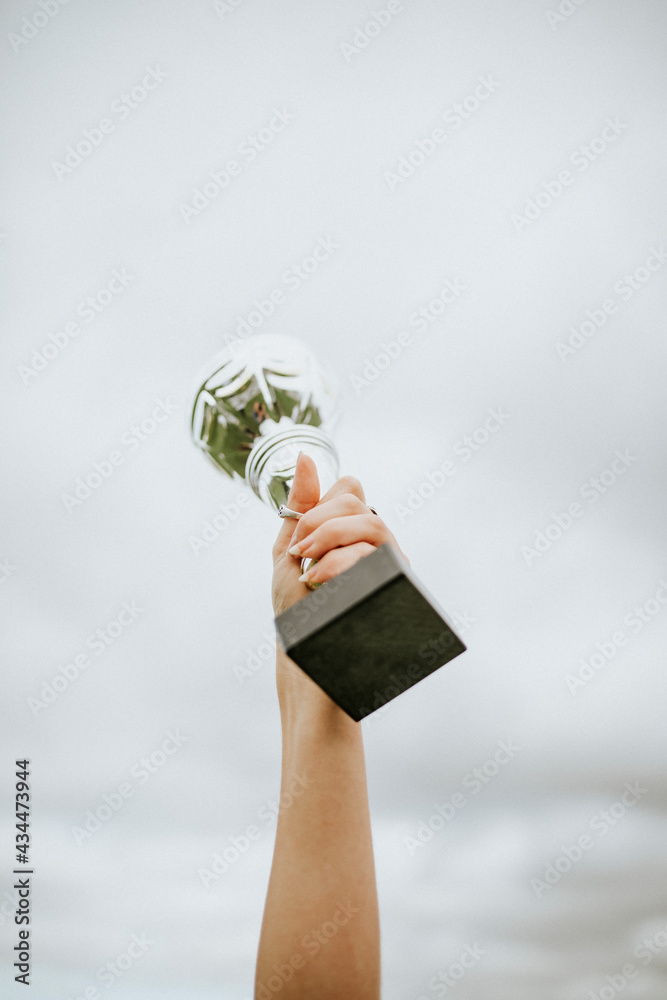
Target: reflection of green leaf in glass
(238, 398)
(229, 446)
(291, 404)
(312, 416)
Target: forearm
(321, 913)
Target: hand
(337, 530)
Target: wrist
(306, 710)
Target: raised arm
(320, 937)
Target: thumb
(305, 493)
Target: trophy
(372, 632)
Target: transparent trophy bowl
(263, 401)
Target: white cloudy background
(532, 618)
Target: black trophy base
(369, 634)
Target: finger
(339, 531)
(337, 561)
(338, 506)
(347, 484)
(304, 494)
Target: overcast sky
(484, 185)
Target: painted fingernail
(295, 550)
(304, 578)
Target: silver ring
(307, 564)
(284, 511)
(372, 510)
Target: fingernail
(304, 578)
(295, 550)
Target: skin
(320, 934)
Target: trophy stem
(272, 461)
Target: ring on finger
(307, 564)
